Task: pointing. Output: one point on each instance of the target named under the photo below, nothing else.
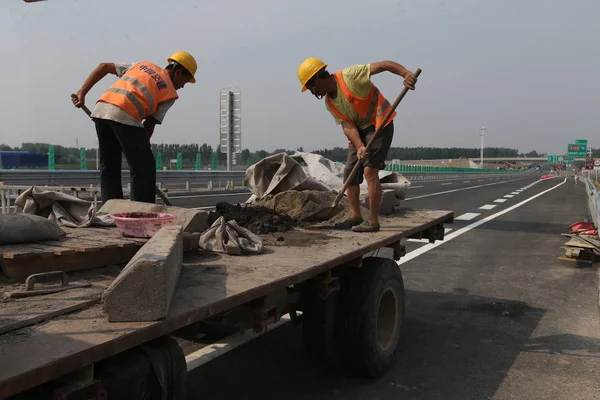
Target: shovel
(157, 190)
(339, 196)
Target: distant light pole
(482, 134)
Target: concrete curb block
(144, 289)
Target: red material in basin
(141, 224)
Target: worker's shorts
(377, 153)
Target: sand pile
(311, 206)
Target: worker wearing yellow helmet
(126, 114)
(357, 105)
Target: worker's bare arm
(97, 74)
(149, 125)
(409, 78)
(352, 134)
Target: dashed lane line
(467, 216)
(428, 247)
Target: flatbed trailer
(351, 306)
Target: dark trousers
(377, 153)
(114, 138)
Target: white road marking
(488, 206)
(428, 247)
(446, 230)
(414, 187)
(447, 183)
(509, 196)
(458, 190)
(466, 217)
(499, 200)
(466, 181)
(515, 193)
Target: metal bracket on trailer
(399, 250)
(327, 284)
(434, 233)
(80, 385)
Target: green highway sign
(581, 141)
(577, 150)
(558, 159)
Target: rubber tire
(319, 327)
(358, 316)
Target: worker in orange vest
(126, 114)
(356, 104)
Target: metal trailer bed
(266, 286)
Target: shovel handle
(373, 138)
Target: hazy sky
(527, 70)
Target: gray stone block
(388, 201)
(191, 220)
(144, 289)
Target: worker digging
(356, 104)
(126, 115)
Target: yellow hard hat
(187, 61)
(308, 69)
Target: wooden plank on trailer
(9, 251)
(81, 246)
(108, 233)
(21, 268)
(56, 250)
(210, 283)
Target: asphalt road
(418, 188)
(490, 313)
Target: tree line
(70, 155)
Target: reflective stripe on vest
(140, 90)
(372, 108)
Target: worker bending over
(356, 104)
(125, 117)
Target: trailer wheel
(371, 316)
(319, 327)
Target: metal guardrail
(76, 182)
(593, 200)
(78, 177)
(190, 178)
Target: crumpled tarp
(281, 172)
(278, 173)
(61, 208)
(228, 237)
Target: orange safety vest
(140, 90)
(372, 108)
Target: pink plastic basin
(141, 224)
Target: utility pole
(482, 134)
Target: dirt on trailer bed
(259, 220)
(287, 210)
